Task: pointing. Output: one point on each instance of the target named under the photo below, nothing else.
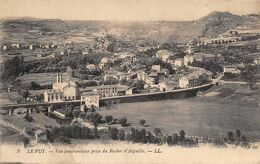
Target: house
(198, 57)
(114, 74)
(70, 71)
(195, 78)
(179, 62)
(168, 85)
(156, 68)
(101, 65)
(104, 90)
(231, 69)
(140, 75)
(163, 55)
(31, 47)
(137, 75)
(143, 49)
(153, 75)
(90, 99)
(52, 55)
(4, 47)
(40, 136)
(47, 46)
(14, 45)
(104, 60)
(257, 61)
(53, 96)
(91, 66)
(124, 90)
(188, 81)
(192, 48)
(188, 59)
(62, 91)
(126, 56)
(149, 81)
(164, 71)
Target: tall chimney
(60, 77)
(57, 78)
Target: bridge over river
(173, 94)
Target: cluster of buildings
(194, 77)
(231, 69)
(165, 56)
(134, 75)
(62, 91)
(68, 90)
(10, 46)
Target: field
(40, 78)
(20, 123)
(9, 97)
(10, 135)
(199, 116)
(236, 92)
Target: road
(236, 82)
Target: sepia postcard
(130, 81)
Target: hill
(212, 25)
(215, 23)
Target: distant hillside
(32, 29)
(209, 26)
(212, 25)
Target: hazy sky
(124, 9)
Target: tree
(95, 119)
(142, 122)
(182, 135)
(123, 121)
(35, 86)
(230, 136)
(25, 94)
(142, 136)
(68, 112)
(109, 119)
(150, 137)
(110, 81)
(110, 48)
(174, 139)
(244, 141)
(28, 118)
(169, 140)
(157, 131)
(113, 133)
(26, 141)
(139, 85)
(121, 134)
(82, 115)
(238, 133)
(76, 113)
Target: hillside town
(71, 82)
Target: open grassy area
(235, 92)
(198, 116)
(20, 123)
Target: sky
(124, 9)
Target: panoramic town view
(176, 83)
